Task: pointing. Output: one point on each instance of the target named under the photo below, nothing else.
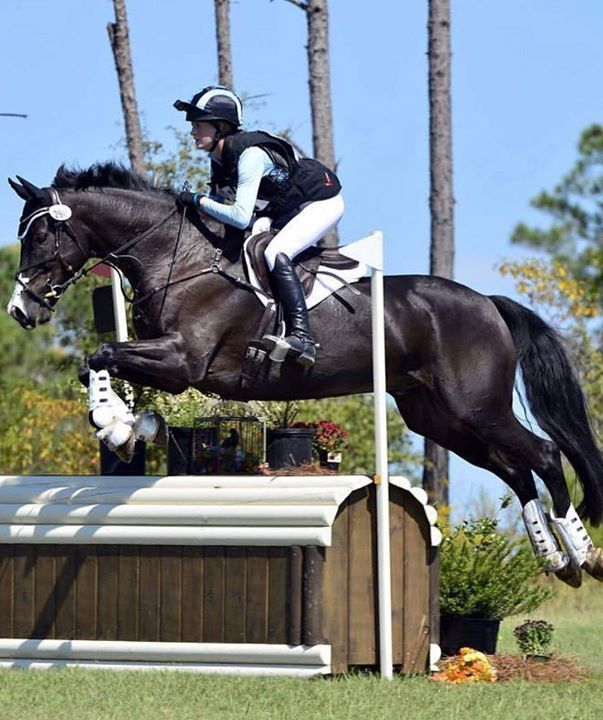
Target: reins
(55, 291)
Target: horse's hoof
(125, 452)
(570, 574)
(594, 563)
(117, 435)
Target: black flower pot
(289, 447)
(457, 631)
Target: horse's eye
(40, 238)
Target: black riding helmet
(213, 103)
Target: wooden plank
(213, 594)
(44, 601)
(128, 588)
(296, 568)
(278, 595)
(108, 590)
(434, 592)
(312, 596)
(23, 593)
(148, 597)
(335, 605)
(6, 591)
(256, 595)
(170, 609)
(66, 566)
(235, 595)
(397, 516)
(416, 589)
(192, 594)
(363, 621)
(86, 598)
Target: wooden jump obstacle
(256, 575)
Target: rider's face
(203, 133)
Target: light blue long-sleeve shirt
(254, 164)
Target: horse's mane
(100, 175)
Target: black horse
(451, 359)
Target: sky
(525, 82)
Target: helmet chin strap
(217, 137)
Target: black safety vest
(294, 184)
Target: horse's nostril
(18, 314)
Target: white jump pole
(370, 251)
(119, 307)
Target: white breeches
(305, 229)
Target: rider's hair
(224, 127)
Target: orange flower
(469, 666)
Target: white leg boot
(543, 541)
(573, 535)
(110, 414)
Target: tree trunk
(222, 9)
(317, 15)
(441, 202)
(120, 44)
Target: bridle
(59, 215)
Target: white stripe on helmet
(207, 96)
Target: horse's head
(50, 254)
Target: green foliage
(277, 414)
(534, 636)
(177, 410)
(486, 574)
(575, 207)
(172, 167)
(42, 434)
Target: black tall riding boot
(290, 293)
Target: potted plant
(287, 445)
(533, 638)
(485, 576)
(328, 442)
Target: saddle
(306, 264)
(322, 271)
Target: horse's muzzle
(17, 313)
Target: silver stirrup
(277, 345)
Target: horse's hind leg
(426, 416)
(513, 442)
(565, 519)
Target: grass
(87, 695)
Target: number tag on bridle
(59, 212)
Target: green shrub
(486, 574)
(533, 636)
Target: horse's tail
(556, 399)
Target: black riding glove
(188, 199)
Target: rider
(301, 197)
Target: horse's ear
(32, 190)
(19, 189)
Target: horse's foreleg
(153, 363)
(110, 415)
(159, 363)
